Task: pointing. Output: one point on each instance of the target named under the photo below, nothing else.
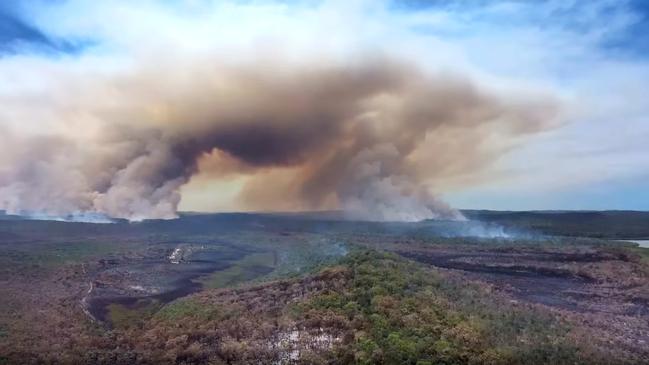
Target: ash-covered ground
(557, 287)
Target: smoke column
(367, 136)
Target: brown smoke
(368, 137)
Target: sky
(585, 61)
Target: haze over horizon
(385, 109)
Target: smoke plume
(371, 137)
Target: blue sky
(18, 35)
(591, 55)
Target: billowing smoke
(371, 137)
(372, 188)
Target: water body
(641, 243)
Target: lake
(641, 243)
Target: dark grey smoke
(369, 137)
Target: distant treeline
(595, 224)
(599, 224)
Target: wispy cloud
(18, 35)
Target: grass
(275, 257)
(247, 269)
(181, 308)
(122, 317)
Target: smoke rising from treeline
(369, 136)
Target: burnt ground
(553, 287)
(56, 276)
(157, 279)
(604, 293)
